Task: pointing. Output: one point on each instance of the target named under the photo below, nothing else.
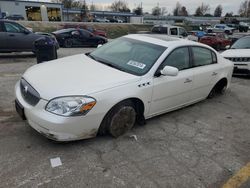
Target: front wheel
(68, 43)
(119, 119)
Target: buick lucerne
(124, 82)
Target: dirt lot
(199, 146)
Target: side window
(85, 34)
(202, 56)
(164, 30)
(182, 31)
(214, 57)
(75, 33)
(173, 31)
(156, 30)
(179, 58)
(13, 27)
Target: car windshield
(242, 43)
(129, 55)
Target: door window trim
(213, 54)
(157, 72)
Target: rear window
(203, 56)
(160, 30)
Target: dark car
(14, 17)
(218, 41)
(77, 37)
(16, 38)
(87, 27)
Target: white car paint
(236, 55)
(168, 30)
(218, 28)
(81, 75)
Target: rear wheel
(218, 89)
(119, 119)
(68, 43)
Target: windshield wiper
(105, 63)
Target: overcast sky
(191, 5)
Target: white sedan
(128, 80)
(239, 54)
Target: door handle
(187, 81)
(214, 73)
(11, 35)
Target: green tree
(156, 11)
(218, 11)
(138, 10)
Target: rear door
(205, 69)
(3, 42)
(88, 38)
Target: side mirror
(26, 32)
(169, 71)
(184, 34)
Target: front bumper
(57, 127)
(241, 69)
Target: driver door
(171, 92)
(16, 37)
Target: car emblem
(26, 89)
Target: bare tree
(163, 11)
(120, 6)
(218, 11)
(93, 7)
(244, 10)
(177, 9)
(202, 10)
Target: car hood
(74, 75)
(236, 53)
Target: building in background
(31, 10)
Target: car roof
(64, 30)
(5, 20)
(163, 40)
(167, 25)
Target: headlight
(71, 106)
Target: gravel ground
(199, 146)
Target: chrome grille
(29, 94)
(239, 59)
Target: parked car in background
(77, 37)
(87, 27)
(15, 17)
(115, 20)
(170, 30)
(243, 27)
(128, 80)
(102, 20)
(221, 28)
(239, 54)
(16, 38)
(195, 35)
(218, 41)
